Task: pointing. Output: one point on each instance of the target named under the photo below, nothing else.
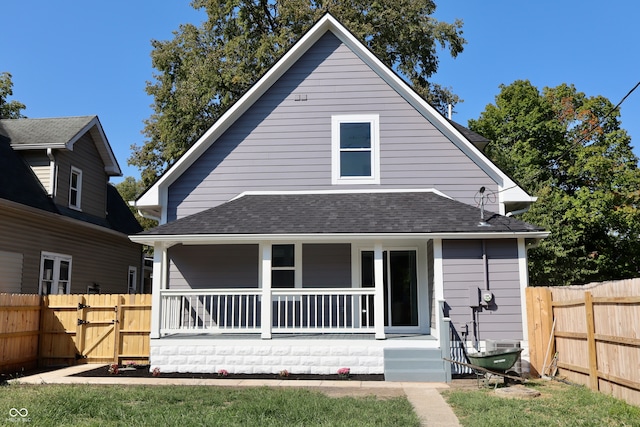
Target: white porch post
(378, 299)
(265, 318)
(524, 283)
(159, 283)
(438, 284)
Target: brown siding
(85, 157)
(97, 256)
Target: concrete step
(414, 365)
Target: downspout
(52, 172)
(518, 212)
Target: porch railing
(237, 311)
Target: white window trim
(297, 263)
(56, 271)
(374, 120)
(78, 172)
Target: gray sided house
(63, 228)
(330, 219)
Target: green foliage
(129, 190)
(205, 69)
(80, 405)
(566, 149)
(9, 109)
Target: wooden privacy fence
(19, 332)
(69, 329)
(594, 332)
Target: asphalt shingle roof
(19, 184)
(349, 213)
(46, 132)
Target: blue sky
(73, 58)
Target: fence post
(591, 342)
(540, 318)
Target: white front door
(55, 274)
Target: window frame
(132, 285)
(55, 276)
(296, 267)
(78, 188)
(336, 150)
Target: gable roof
(338, 213)
(20, 185)
(18, 182)
(153, 199)
(59, 133)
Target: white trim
(57, 258)
(524, 283)
(153, 196)
(336, 150)
(339, 191)
(297, 263)
(78, 189)
(205, 239)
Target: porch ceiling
(377, 213)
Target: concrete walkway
(428, 404)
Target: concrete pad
(517, 392)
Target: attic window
(355, 145)
(75, 188)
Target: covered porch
(271, 288)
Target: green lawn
(94, 405)
(558, 405)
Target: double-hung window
(75, 188)
(355, 144)
(283, 266)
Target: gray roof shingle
(46, 132)
(349, 213)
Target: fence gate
(103, 328)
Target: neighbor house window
(55, 273)
(283, 266)
(355, 145)
(132, 279)
(75, 188)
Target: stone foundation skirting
(318, 357)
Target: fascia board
(206, 239)
(111, 166)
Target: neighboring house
(329, 219)
(63, 228)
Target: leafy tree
(9, 109)
(130, 189)
(569, 150)
(205, 69)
